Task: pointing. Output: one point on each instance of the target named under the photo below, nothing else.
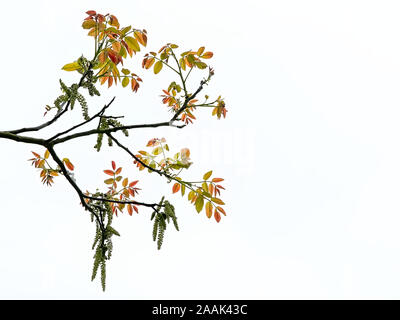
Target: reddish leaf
(109, 172)
(217, 180)
(176, 187)
(118, 170)
(136, 209)
(217, 216)
(91, 12)
(113, 165)
(133, 183)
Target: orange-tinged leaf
(130, 211)
(133, 84)
(110, 81)
(217, 201)
(135, 208)
(35, 154)
(118, 170)
(125, 193)
(116, 46)
(176, 187)
(109, 172)
(139, 37)
(210, 188)
(125, 182)
(207, 55)
(217, 180)
(221, 210)
(217, 216)
(149, 63)
(209, 209)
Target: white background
(309, 151)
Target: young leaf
(207, 175)
(208, 209)
(132, 43)
(217, 201)
(71, 66)
(199, 203)
(207, 55)
(217, 216)
(157, 67)
(176, 187)
(125, 82)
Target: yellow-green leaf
(209, 209)
(157, 150)
(207, 175)
(71, 66)
(199, 203)
(87, 24)
(125, 182)
(125, 82)
(157, 67)
(109, 181)
(132, 43)
(200, 51)
(218, 201)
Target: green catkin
(103, 275)
(155, 228)
(82, 101)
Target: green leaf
(132, 43)
(71, 66)
(199, 203)
(157, 67)
(125, 71)
(207, 175)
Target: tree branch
(115, 129)
(58, 115)
(99, 114)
